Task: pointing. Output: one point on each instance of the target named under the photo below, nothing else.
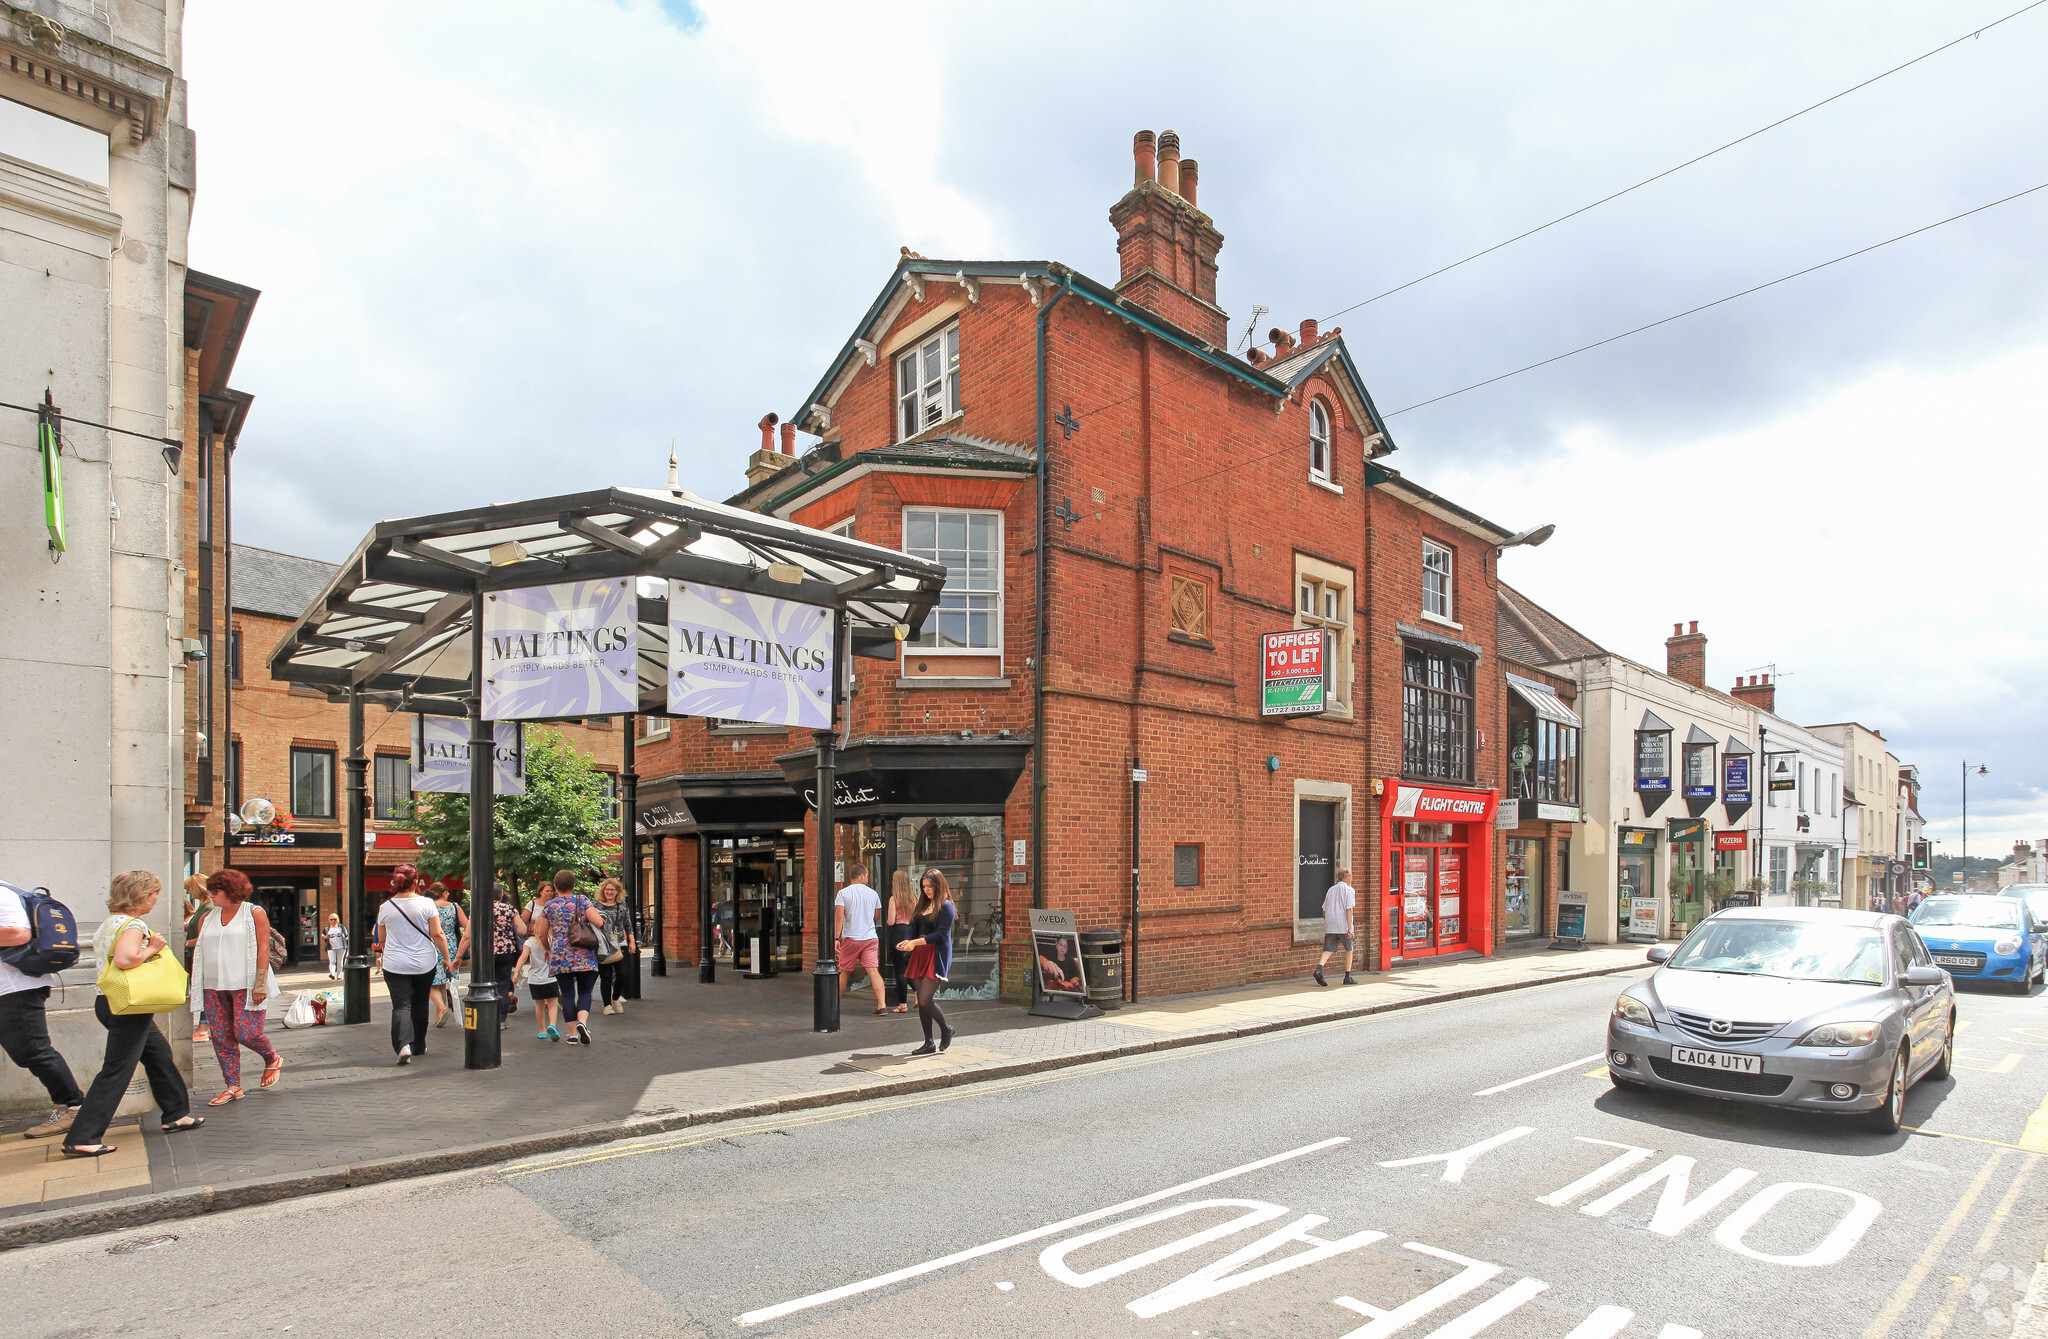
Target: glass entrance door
(1428, 885)
(1635, 883)
(1524, 885)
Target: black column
(481, 1042)
(660, 964)
(629, 853)
(355, 973)
(707, 965)
(825, 975)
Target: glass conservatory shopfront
(931, 804)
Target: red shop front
(1439, 870)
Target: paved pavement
(687, 1053)
(1461, 1170)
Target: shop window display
(970, 853)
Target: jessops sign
(742, 657)
(566, 650)
(1295, 670)
(440, 756)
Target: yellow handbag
(154, 987)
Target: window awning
(395, 618)
(1548, 705)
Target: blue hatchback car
(1980, 938)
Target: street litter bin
(1102, 966)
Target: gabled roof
(1038, 278)
(1299, 367)
(1528, 632)
(276, 585)
(951, 451)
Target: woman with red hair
(231, 980)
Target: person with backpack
(124, 943)
(231, 980)
(33, 928)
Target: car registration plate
(1952, 960)
(1734, 1064)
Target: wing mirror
(1925, 976)
(1658, 954)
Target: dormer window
(1318, 441)
(928, 383)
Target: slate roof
(1526, 631)
(278, 585)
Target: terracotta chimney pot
(767, 426)
(1189, 171)
(1308, 332)
(1169, 161)
(1143, 153)
(789, 439)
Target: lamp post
(1981, 769)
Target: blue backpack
(52, 939)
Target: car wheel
(1887, 1118)
(1945, 1065)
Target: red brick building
(1126, 507)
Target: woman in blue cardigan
(930, 946)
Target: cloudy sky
(507, 248)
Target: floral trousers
(233, 1026)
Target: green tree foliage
(559, 823)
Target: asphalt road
(1295, 1184)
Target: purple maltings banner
(440, 756)
(748, 657)
(567, 650)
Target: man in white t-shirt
(24, 1030)
(853, 920)
(1337, 920)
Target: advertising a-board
(1056, 945)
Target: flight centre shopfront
(1438, 878)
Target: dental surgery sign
(1295, 670)
(566, 650)
(440, 756)
(741, 657)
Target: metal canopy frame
(401, 622)
(394, 618)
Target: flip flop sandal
(880, 1013)
(188, 1123)
(270, 1074)
(227, 1095)
(92, 1151)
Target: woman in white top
(231, 975)
(126, 942)
(337, 946)
(411, 946)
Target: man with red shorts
(853, 915)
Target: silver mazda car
(1834, 1011)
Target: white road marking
(1863, 1211)
(1036, 1234)
(1213, 1280)
(1053, 1259)
(1458, 1161)
(1604, 1323)
(1489, 1311)
(1384, 1323)
(1674, 1213)
(1531, 1078)
(1605, 1171)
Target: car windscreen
(1798, 950)
(1977, 913)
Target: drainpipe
(1038, 743)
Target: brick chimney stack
(1759, 692)
(1166, 247)
(1685, 654)
(768, 462)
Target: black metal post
(481, 1043)
(825, 975)
(1136, 772)
(629, 853)
(355, 973)
(707, 965)
(660, 964)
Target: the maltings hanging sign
(567, 650)
(1295, 669)
(741, 657)
(440, 756)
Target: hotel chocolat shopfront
(749, 850)
(1439, 870)
(932, 803)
